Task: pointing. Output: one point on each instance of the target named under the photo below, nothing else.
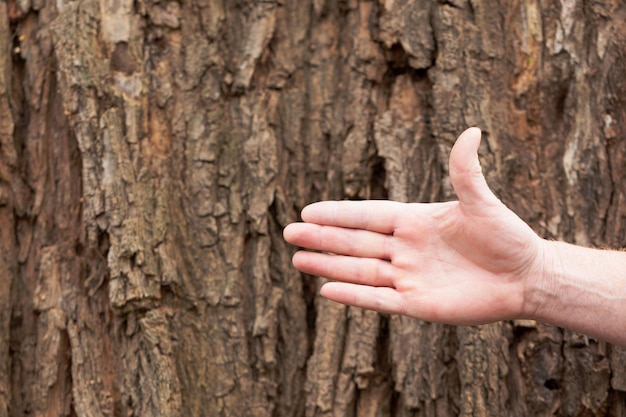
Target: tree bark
(152, 151)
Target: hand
(463, 262)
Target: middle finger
(340, 240)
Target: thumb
(466, 175)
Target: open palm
(462, 262)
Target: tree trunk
(151, 152)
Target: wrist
(581, 289)
(540, 290)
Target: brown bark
(152, 151)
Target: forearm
(583, 290)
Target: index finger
(374, 215)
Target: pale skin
(466, 262)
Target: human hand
(463, 262)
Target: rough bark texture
(151, 152)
